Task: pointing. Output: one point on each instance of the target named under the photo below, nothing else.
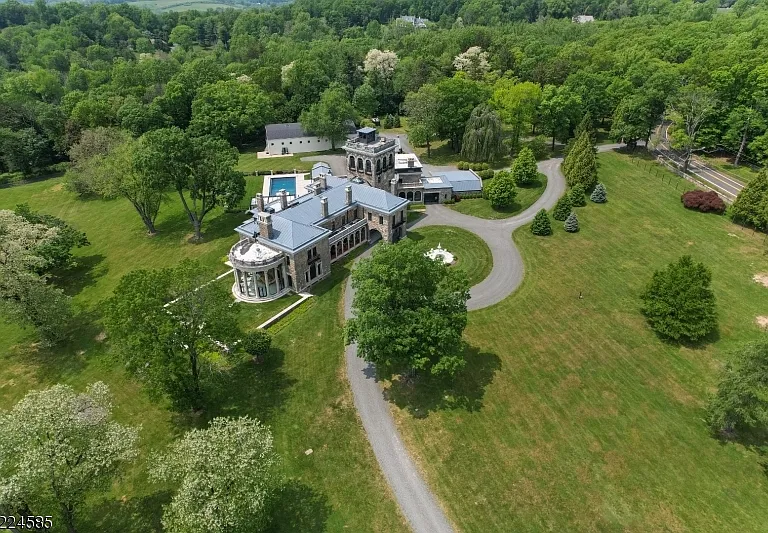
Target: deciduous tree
(186, 324)
(233, 110)
(58, 446)
(688, 111)
(630, 120)
(225, 474)
(482, 135)
(410, 311)
(330, 117)
(25, 295)
(423, 108)
(200, 169)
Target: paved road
(417, 502)
(727, 185)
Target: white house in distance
(416, 22)
(291, 138)
(583, 19)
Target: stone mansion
(290, 243)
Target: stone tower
(371, 157)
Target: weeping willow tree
(482, 135)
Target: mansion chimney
(324, 206)
(259, 203)
(393, 186)
(265, 225)
(283, 194)
(348, 192)
(323, 182)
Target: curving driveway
(417, 502)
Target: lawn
(300, 391)
(250, 163)
(482, 208)
(572, 414)
(471, 254)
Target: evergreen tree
(751, 206)
(500, 191)
(679, 303)
(580, 165)
(740, 403)
(571, 224)
(563, 208)
(577, 196)
(587, 125)
(524, 169)
(599, 194)
(541, 224)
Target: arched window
(391, 160)
(359, 164)
(410, 196)
(378, 166)
(367, 166)
(352, 162)
(401, 195)
(417, 196)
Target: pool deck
(302, 180)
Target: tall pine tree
(580, 165)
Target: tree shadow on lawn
(135, 515)
(178, 226)
(84, 274)
(255, 390)
(427, 393)
(299, 507)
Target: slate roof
(296, 226)
(288, 130)
(462, 180)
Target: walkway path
(417, 502)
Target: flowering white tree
(474, 62)
(57, 446)
(226, 475)
(24, 293)
(285, 72)
(380, 63)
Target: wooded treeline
(67, 67)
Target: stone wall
(385, 228)
(300, 264)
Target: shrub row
(8, 178)
(704, 201)
(485, 174)
(464, 165)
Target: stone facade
(298, 243)
(371, 158)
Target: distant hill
(179, 5)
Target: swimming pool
(288, 183)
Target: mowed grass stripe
(590, 421)
(300, 390)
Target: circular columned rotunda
(260, 272)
